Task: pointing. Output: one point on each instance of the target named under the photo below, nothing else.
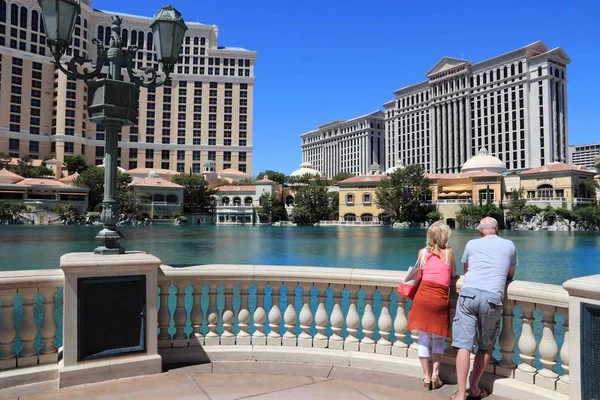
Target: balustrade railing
(351, 310)
(31, 309)
(306, 307)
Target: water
(549, 257)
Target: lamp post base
(109, 242)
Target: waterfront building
(584, 154)
(41, 194)
(358, 201)
(203, 113)
(346, 145)
(163, 197)
(237, 204)
(558, 185)
(514, 104)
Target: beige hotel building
(514, 105)
(204, 113)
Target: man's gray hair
(488, 223)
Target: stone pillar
(444, 146)
(555, 135)
(455, 142)
(433, 142)
(462, 134)
(439, 140)
(73, 369)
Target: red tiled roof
(265, 180)
(233, 188)
(364, 179)
(155, 183)
(15, 162)
(70, 178)
(7, 174)
(464, 175)
(40, 182)
(556, 167)
(233, 172)
(146, 171)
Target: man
(488, 262)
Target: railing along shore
(350, 310)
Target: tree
(402, 195)
(271, 210)
(311, 203)
(130, 201)
(5, 160)
(305, 179)
(10, 210)
(334, 206)
(470, 215)
(26, 169)
(93, 179)
(340, 176)
(76, 164)
(514, 213)
(69, 211)
(275, 176)
(242, 182)
(197, 197)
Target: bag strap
(421, 258)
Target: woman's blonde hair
(438, 237)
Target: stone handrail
(354, 310)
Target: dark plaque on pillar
(111, 316)
(590, 351)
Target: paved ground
(215, 386)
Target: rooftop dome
(210, 163)
(306, 168)
(484, 162)
(391, 170)
(153, 174)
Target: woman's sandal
(426, 383)
(437, 382)
(483, 393)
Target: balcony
(582, 200)
(454, 201)
(290, 320)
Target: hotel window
(69, 147)
(227, 156)
(212, 155)
(242, 167)
(149, 153)
(133, 153)
(13, 144)
(242, 156)
(367, 198)
(196, 155)
(350, 198)
(196, 168)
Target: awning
(12, 191)
(452, 194)
(465, 194)
(72, 194)
(456, 188)
(443, 195)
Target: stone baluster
(48, 354)
(507, 341)
(258, 337)
(243, 338)
(336, 319)
(548, 349)
(367, 344)
(384, 346)
(321, 340)
(526, 372)
(564, 381)
(412, 349)
(289, 317)
(274, 337)
(196, 338)
(7, 330)
(164, 316)
(180, 316)
(400, 348)
(212, 337)
(228, 337)
(321, 318)
(305, 339)
(351, 343)
(28, 330)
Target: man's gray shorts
(477, 320)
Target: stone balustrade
(31, 309)
(353, 310)
(232, 308)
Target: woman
(429, 313)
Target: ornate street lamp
(112, 102)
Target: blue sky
(324, 60)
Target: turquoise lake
(550, 257)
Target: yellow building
(558, 185)
(357, 200)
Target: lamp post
(112, 102)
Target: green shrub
(563, 213)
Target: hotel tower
(204, 113)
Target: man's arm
(513, 266)
(465, 267)
(511, 272)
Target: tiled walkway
(215, 386)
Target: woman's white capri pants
(423, 344)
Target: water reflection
(551, 257)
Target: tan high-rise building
(204, 113)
